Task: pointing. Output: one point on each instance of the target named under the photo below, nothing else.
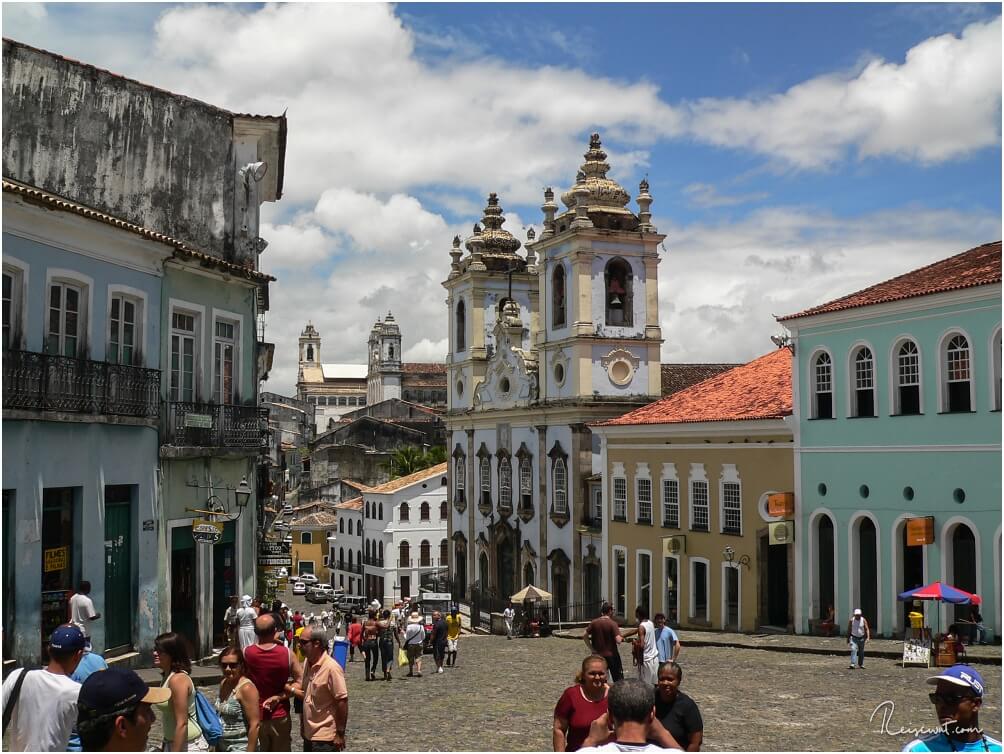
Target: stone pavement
(501, 696)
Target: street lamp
(730, 557)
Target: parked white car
(308, 578)
(299, 588)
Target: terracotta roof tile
(418, 476)
(318, 520)
(978, 266)
(677, 377)
(355, 504)
(432, 367)
(760, 389)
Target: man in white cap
(957, 701)
(414, 639)
(858, 632)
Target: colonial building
(131, 301)
(898, 398)
(687, 529)
(310, 526)
(540, 346)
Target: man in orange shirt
(324, 694)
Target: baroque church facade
(542, 345)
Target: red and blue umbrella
(940, 592)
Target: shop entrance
(224, 577)
(777, 585)
(183, 583)
(58, 571)
(9, 510)
(118, 567)
(913, 572)
(731, 599)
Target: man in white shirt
(508, 615)
(45, 711)
(631, 710)
(82, 611)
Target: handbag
(402, 657)
(207, 719)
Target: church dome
(603, 193)
(498, 246)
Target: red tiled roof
(415, 367)
(978, 266)
(418, 476)
(677, 377)
(760, 389)
(355, 504)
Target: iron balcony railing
(44, 382)
(216, 425)
(377, 562)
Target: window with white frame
(225, 364)
(671, 503)
(645, 581)
(863, 395)
(699, 577)
(560, 486)
(732, 508)
(699, 514)
(486, 482)
(822, 393)
(459, 477)
(643, 490)
(907, 378)
(958, 374)
(505, 485)
(66, 325)
(13, 301)
(620, 499)
(996, 366)
(184, 340)
(596, 507)
(306, 538)
(124, 329)
(526, 483)
(620, 581)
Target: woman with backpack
(237, 704)
(181, 726)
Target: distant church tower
(384, 365)
(310, 347)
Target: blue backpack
(208, 721)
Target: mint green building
(897, 392)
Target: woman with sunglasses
(237, 704)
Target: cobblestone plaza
(501, 696)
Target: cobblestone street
(502, 695)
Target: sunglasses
(950, 699)
(230, 664)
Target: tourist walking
(371, 649)
(90, 663)
(858, 632)
(43, 702)
(389, 639)
(82, 612)
(508, 617)
(631, 714)
(603, 637)
(237, 704)
(453, 627)
(325, 696)
(644, 653)
(677, 712)
(181, 730)
(439, 634)
(414, 639)
(666, 640)
(246, 616)
(957, 701)
(580, 704)
(354, 634)
(270, 665)
(114, 710)
(231, 624)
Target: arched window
(444, 553)
(505, 485)
(822, 384)
(996, 365)
(461, 326)
(390, 353)
(560, 486)
(425, 554)
(305, 538)
(617, 282)
(957, 390)
(404, 555)
(863, 396)
(380, 555)
(460, 478)
(366, 549)
(558, 296)
(907, 378)
(341, 526)
(443, 508)
(350, 527)
(350, 559)
(405, 512)
(381, 511)
(486, 482)
(424, 511)
(526, 483)
(366, 513)
(341, 557)
(310, 352)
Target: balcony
(214, 425)
(594, 523)
(375, 562)
(43, 382)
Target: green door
(224, 578)
(118, 567)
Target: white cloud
(391, 226)
(707, 195)
(942, 102)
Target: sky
(795, 152)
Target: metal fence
(216, 425)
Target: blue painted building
(897, 393)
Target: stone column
(471, 485)
(542, 510)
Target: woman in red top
(354, 634)
(580, 705)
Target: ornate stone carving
(620, 365)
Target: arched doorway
(505, 568)
(825, 581)
(867, 572)
(910, 565)
(591, 587)
(483, 571)
(528, 574)
(963, 573)
(460, 568)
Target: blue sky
(795, 152)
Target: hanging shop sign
(275, 560)
(55, 559)
(920, 531)
(199, 421)
(273, 549)
(206, 532)
(781, 504)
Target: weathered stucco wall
(153, 158)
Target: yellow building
(686, 490)
(310, 527)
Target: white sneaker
(440, 670)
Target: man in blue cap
(114, 712)
(40, 706)
(957, 701)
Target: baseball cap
(67, 639)
(857, 611)
(114, 690)
(960, 675)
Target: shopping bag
(402, 657)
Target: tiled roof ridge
(131, 80)
(351, 504)
(432, 366)
(404, 481)
(833, 305)
(180, 247)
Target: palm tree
(409, 459)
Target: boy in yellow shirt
(452, 636)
